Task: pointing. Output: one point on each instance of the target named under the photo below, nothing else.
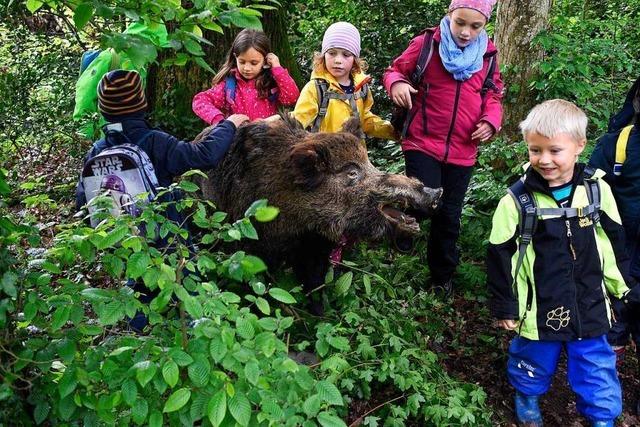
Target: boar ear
(310, 163)
(352, 126)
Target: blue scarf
(461, 63)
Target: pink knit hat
(482, 6)
(342, 35)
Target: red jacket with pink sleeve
(446, 111)
(213, 105)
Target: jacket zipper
(529, 302)
(424, 109)
(453, 122)
(575, 288)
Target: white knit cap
(342, 35)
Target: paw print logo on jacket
(558, 318)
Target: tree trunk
(171, 89)
(518, 22)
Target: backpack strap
(230, 88)
(592, 210)
(527, 223)
(323, 103)
(488, 79)
(426, 52)
(621, 149)
(325, 95)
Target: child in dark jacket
(448, 118)
(558, 299)
(623, 174)
(122, 102)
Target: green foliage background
(222, 342)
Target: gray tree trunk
(518, 22)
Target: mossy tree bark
(518, 22)
(171, 89)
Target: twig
(358, 421)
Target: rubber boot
(608, 423)
(528, 411)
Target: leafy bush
(209, 354)
(37, 77)
(590, 60)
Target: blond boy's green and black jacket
(558, 295)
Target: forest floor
(473, 356)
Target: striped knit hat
(120, 92)
(342, 35)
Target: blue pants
(591, 368)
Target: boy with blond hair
(555, 252)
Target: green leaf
(130, 392)
(344, 283)
(217, 408)
(240, 408)
(267, 213)
(218, 349)
(189, 186)
(97, 294)
(145, 371)
(60, 317)
(328, 420)
(329, 393)
(193, 307)
(252, 372)
(41, 412)
(67, 350)
(248, 230)
(193, 47)
(111, 313)
(113, 237)
(34, 5)
(199, 372)
(170, 373)
(137, 264)
(282, 296)
(68, 383)
(209, 25)
(180, 357)
(202, 63)
(263, 305)
(82, 15)
(311, 406)
(245, 328)
(66, 407)
(366, 279)
(156, 419)
(268, 323)
(177, 400)
(242, 20)
(9, 280)
(341, 343)
(253, 265)
(139, 411)
(304, 380)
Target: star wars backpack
(124, 173)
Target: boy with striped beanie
(122, 102)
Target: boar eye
(353, 174)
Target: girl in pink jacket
(251, 82)
(449, 114)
